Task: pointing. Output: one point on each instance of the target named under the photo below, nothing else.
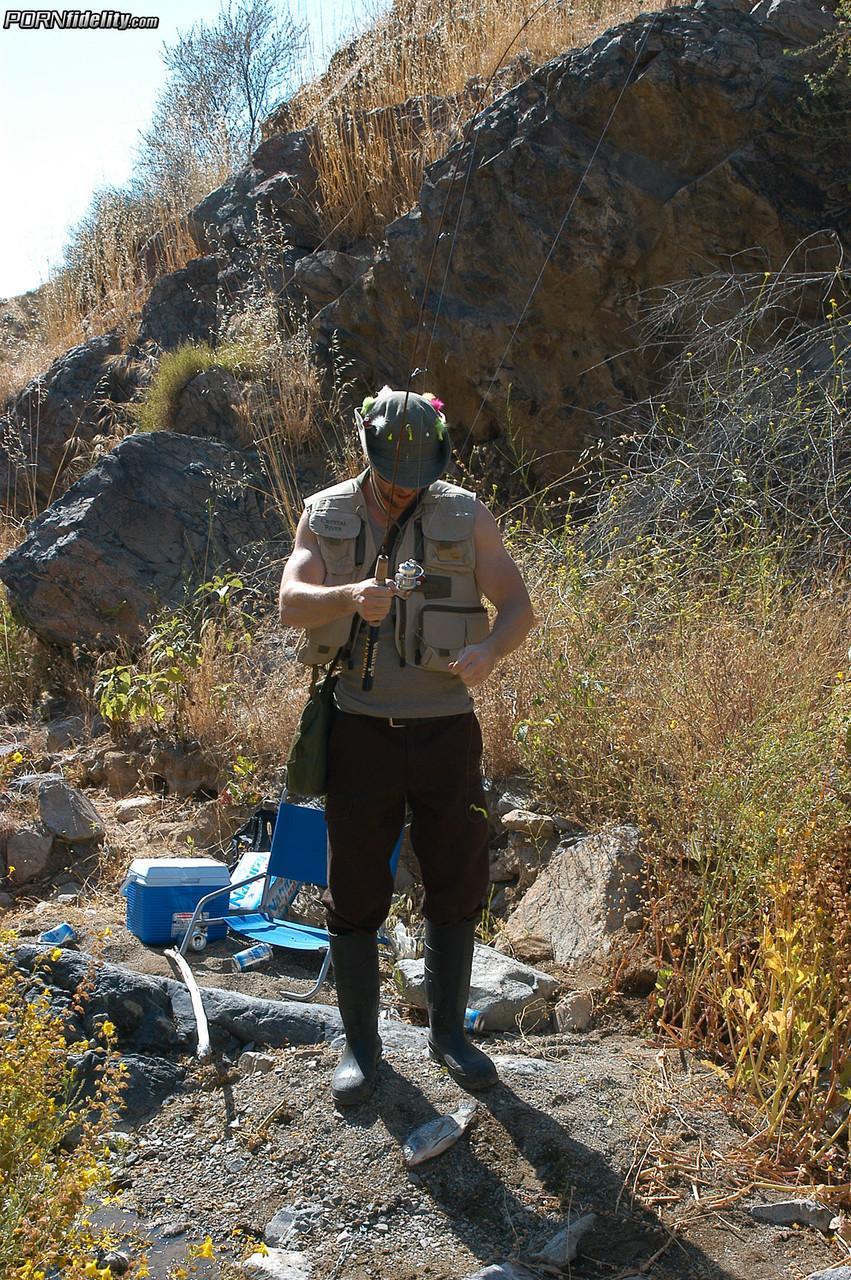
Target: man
(412, 738)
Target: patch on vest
(331, 521)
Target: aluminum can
(252, 956)
(474, 1020)
(59, 936)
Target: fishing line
(433, 257)
(464, 139)
(547, 259)
(419, 330)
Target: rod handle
(370, 653)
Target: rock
(55, 416)
(252, 1063)
(287, 1222)
(520, 860)
(678, 203)
(213, 405)
(579, 900)
(135, 534)
(278, 1264)
(32, 781)
(65, 733)
(184, 770)
(172, 1227)
(136, 807)
(574, 1012)
(121, 772)
(181, 307)
(278, 187)
(535, 826)
(527, 1068)
(324, 275)
(149, 1081)
(28, 851)
(803, 23)
(788, 1213)
(832, 1273)
(501, 988)
(6, 900)
(68, 814)
(117, 1260)
(511, 801)
(502, 1271)
(154, 1016)
(564, 1245)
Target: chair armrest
(202, 903)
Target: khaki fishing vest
(444, 614)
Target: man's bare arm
(305, 601)
(500, 582)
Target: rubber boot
(355, 959)
(448, 963)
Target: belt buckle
(395, 724)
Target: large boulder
(49, 422)
(501, 988)
(182, 307)
(277, 189)
(679, 144)
(159, 514)
(579, 900)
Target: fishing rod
(410, 572)
(383, 559)
(382, 562)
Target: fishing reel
(409, 576)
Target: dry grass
(370, 157)
(117, 252)
(712, 707)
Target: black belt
(406, 722)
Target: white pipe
(188, 976)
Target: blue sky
(72, 104)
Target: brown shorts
(374, 770)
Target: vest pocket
(339, 557)
(444, 629)
(443, 555)
(321, 644)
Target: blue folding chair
(298, 857)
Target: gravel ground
(558, 1135)
(604, 1121)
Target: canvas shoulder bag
(307, 763)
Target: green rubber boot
(448, 963)
(354, 957)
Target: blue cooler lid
(165, 872)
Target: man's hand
(474, 663)
(372, 599)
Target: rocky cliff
(681, 144)
(677, 145)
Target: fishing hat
(424, 450)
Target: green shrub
(52, 1142)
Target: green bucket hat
(425, 448)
